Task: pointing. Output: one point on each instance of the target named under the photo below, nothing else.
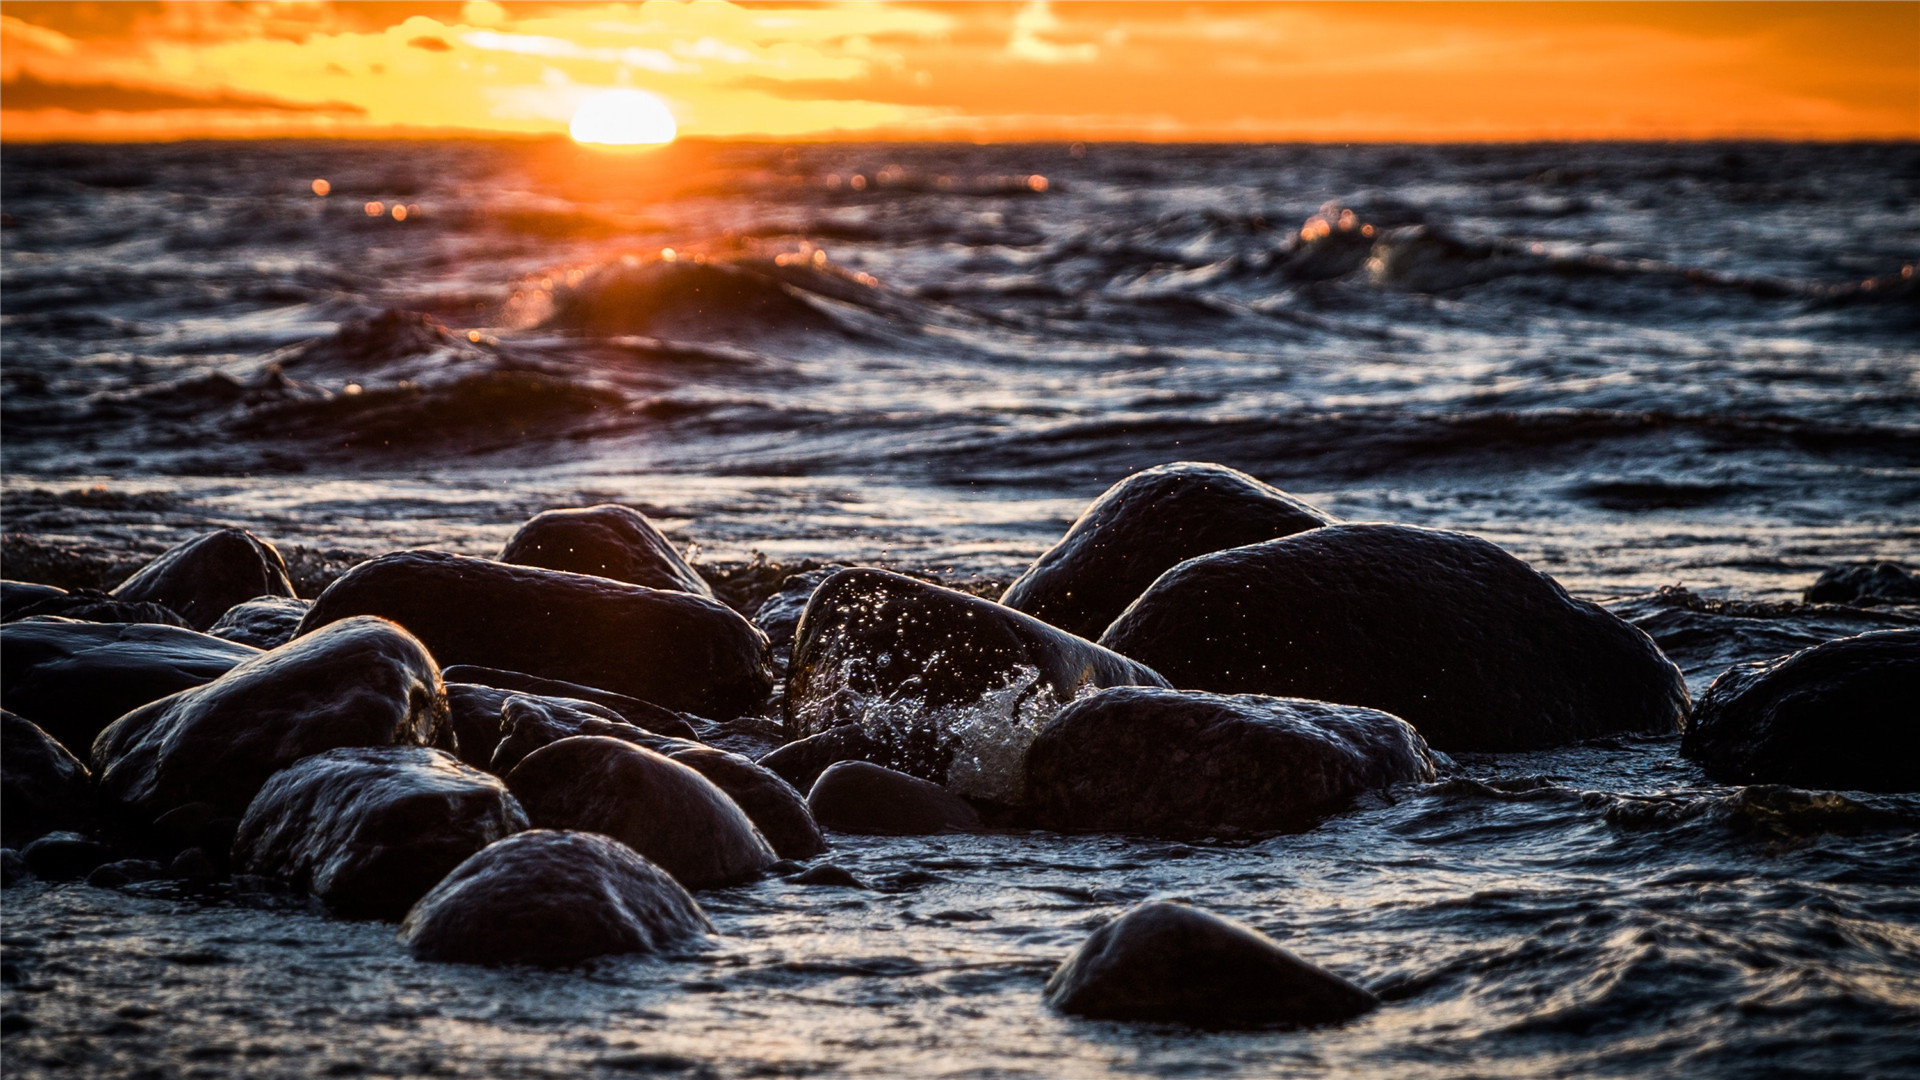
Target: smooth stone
(801, 761)
(15, 595)
(609, 541)
(360, 682)
(1842, 715)
(1450, 633)
(552, 898)
(531, 722)
(827, 875)
(203, 577)
(861, 797)
(641, 714)
(675, 649)
(64, 856)
(13, 869)
(193, 864)
(1136, 759)
(368, 830)
(1142, 527)
(264, 622)
(43, 787)
(1170, 963)
(113, 875)
(1871, 583)
(75, 678)
(774, 806)
(660, 808)
(92, 605)
(475, 720)
(951, 683)
(778, 616)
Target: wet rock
(43, 787)
(1135, 759)
(531, 722)
(193, 864)
(682, 651)
(778, 616)
(774, 806)
(1144, 526)
(75, 678)
(1470, 645)
(64, 856)
(15, 595)
(113, 875)
(205, 576)
(827, 875)
(658, 807)
(641, 714)
(263, 622)
(950, 682)
(13, 868)
(368, 830)
(89, 605)
(359, 682)
(474, 718)
(1866, 585)
(1172, 963)
(801, 761)
(860, 797)
(1837, 716)
(609, 541)
(551, 898)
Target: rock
(609, 541)
(1446, 631)
(778, 616)
(682, 651)
(860, 797)
(778, 810)
(43, 787)
(360, 682)
(13, 869)
(75, 678)
(801, 761)
(1137, 759)
(193, 864)
(1867, 584)
(641, 714)
(551, 898)
(952, 684)
(474, 717)
(368, 830)
(263, 622)
(1144, 526)
(830, 876)
(203, 577)
(64, 856)
(531, 722)
(1837, 716)
(113, 875)
(88, 605)
(15, 595)
(1172, 963)
(658, 807)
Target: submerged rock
(1139, 759)
(858, 797)
(203, 577)
(1470, 645)
(641, 714)
(950, 683)
(1173, 963)
(546, 897)
(801, 761)
(1838, 715)
(609, 541)
(64, 856)
(263, 622)
(1144, 526)
(1867, 584)
(658, 807)
(369, 830)
(360, 682)
(75, 678)
(43, 787)
(682, 651)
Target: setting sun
(622, 118)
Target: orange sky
(1065, 70)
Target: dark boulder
(206, 575)
(361, 682)
(774, 806)
(263, 622)
(369, 830)
(953, 684)
(530, 721)
(1136, 759)
(1172, 963)
(1470, 645)
(1144, 526)
(641, 714)
(17, 595)
(658, 807)
(678, 650)
(778, 616)
(801, 761)
(1843, 715)
(64, 856)
(86, 605)
(860, 797)
(75, 678)
(552, 898)
(609, 541)
(13, 869)
(1867, 584)
(123, 872)
(475, 721)
(43, 787)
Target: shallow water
(1632, 365)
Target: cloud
(25, 91)
(1035, 19)
(430, 43)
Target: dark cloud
(26, 91)
(431, 43)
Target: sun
(623, 118)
